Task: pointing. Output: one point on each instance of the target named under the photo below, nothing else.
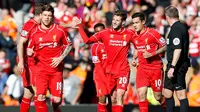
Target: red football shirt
(48, 44)
(26, 32)
(150, 40)
(99, 54)
(117, 44)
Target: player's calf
(26, 100)
(55, 103)
(142, 93)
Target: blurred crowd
(78, 69)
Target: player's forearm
(20, 52)
(176, 56)
(83, 34)
(160, 50)
(135, 54)
(66, 51)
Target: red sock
(143, 106)
(117, 108)
(36, 103)
(102, 107)
(41, 106)
(25, 105)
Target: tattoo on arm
(66, 51)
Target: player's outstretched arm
(20, 52)
(77, 23)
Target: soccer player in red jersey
(117, 43)
(99, 57)
(148, 45)
(51, 45)
(26, 65)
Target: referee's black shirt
(178, 38)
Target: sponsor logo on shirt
(118, 43)
(48, 44)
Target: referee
(178, 61)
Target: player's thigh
(101, 85)
(168, 82)
(56, 84)
(142, 78)
(26, 77)
(32, 72)
(42, 82)
(157, 80)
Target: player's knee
(158, 97)
(142, 95)
(181, 95)
(28, 93)
(102, 99)
(41, 97)
(57, 100)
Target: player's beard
(118, 27)
(46, 24)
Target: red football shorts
(51, 81)
(101, 84)
(118, 81)
(28, 75)
(149, 77)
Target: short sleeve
(176, 38)
(158, 38)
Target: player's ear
(143, 22)
(123, 23)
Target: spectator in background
(3, 79)
(9, 22)
(72, 87)
(194, 88)
(7, 43)
(14, 89)
(4, 62)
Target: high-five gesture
(75, 21)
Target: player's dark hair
(99, 25)
(72, 5)
(121, 13)
(171, 12)
(38, 8)
(48, 7)
(140, 15)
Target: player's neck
(172, 21)
(142, 31)
(46, 26)
(37, 19)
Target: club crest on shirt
(176, 41)
(124, 37)
(54, 37)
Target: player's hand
(147, 54)
(29, 51)
(134, 62)
(75, 21)
(170, 73)
(20, 67)
(56, 61)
